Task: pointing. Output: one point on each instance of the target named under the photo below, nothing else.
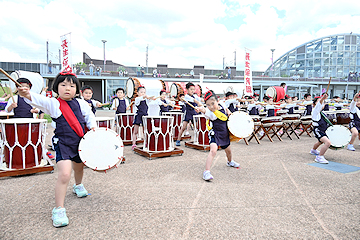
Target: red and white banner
(248, 73)
(66, 53)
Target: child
(87, 93)
(166, 104)
(71, 115)
(308, 104)
(158, 105)
(290, 105)
(142, 103)
(194, 100)
(231, 102)
(120, 103)
(20, 107)
(270, 107)
(219, 134)
(320, 126)
(355, 120)
(181, 103)
(253, 108)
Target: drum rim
(104, 118)
(97, 130)
(339, 127)
(133, 83)
(244, 114)
(23, 120)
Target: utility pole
(104, 41)
(60, 58)
(235, 59)
(223, 62)
(147, 58)
(272, 62)
(47, 52)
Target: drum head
(36, 80)
(101, 149)
(271, 92)
(241, 124)
(338, 135)
(130, 88)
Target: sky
(180, 34)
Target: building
(331, 56)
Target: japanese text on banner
(65, 45)
(248, 74)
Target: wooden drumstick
(11, 94)
(2, 88)
(328, 86)
(189, 104)
(6, 74)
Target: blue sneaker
(178, 143)
(80, 190)
(59, 217)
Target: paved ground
(275, 195)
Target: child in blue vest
(219, 134)
(142, 105)
(194, 100)
(320, 126)
(87, 93)
(70, 115)
(20, 108)
(120, 103)
(354, 124)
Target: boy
(87, 93)
(355, 121)
(120, 103)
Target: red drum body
(105, 122)
(157, 134)
(178, 119)
(271, 120)
(343, 117)
(124, 124)
(276, 93)
(23, 142)
(201, 133)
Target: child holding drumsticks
(70, 115)
(355, 121)
(219, 134)
(320, 126)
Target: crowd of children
(72, 115)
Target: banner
(248, 74)
(66, 53)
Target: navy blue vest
(68, 139)
(122, 106)
(271, 113)
(93, 109)
(23, 109)
(254, 111)
(163, 108)
(221, 131)
(308, 110)
(142, 108)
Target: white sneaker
(350, 147)
(187, 133)
(233, 164)
(207, 176)
(321, 159)
(314, 152)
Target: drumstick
(2, 88)
(189, 104)
(6, 74)
(11, 94)
(327, 89)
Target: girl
(120, 103)
(70, 115)
(194, 100)
(355, 121)
(320, 126)
(141, 103)
(219, 134)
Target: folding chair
(306, 125)
(271, 125)
(257, 127)
(290, 122)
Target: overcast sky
(179, 33)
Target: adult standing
(97, 71)
(192, 73)
(229, 73)
(142, 71)
(138, 69)
(91, 68)
(50, 65)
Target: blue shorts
(59, 157)
(319, 134)
(212, 140)
(354, 124)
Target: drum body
(290, 117)
(36, 80)
(158, 133)
(23, 142)
(331, 115)
(339, 136)
(111, 145)
(280, 112)
(271, 120)
(178, 119)
(124, 124)
(343, 117)
(201, 133)
(105, 122)
(276, 93)
(241, 124)
(153, 87)
(176, 90)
